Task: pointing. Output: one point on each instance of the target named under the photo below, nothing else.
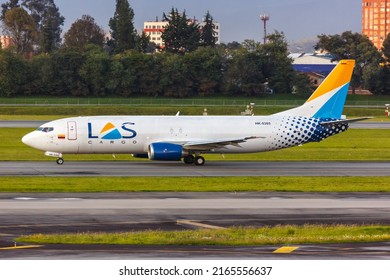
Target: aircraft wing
(346, 121)
(206, 145)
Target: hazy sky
(240, 19)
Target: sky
(239, 19)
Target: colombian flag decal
(61, 136)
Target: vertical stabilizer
(328, 99)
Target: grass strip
(194, 184)
(235, 236)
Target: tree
(66, 65)
(8, 6)
(207, 35)
(302, 84)
(180, 35)
(43, 80)
(143, 44)
(386, 48)
(277, 66)
(123, 33)
(21, 27)
(377, 78)
(175, 79)
(14, 74)
(84, 31)
(135, 73)
(244, 75)
(48, 42)
(94, 71)
(47, 19)
(350, 45)
(205, 70)
(253, 67)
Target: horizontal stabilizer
(346, 121)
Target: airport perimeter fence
(174, 102)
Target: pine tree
(48, 40)
(207, 36)
(123, 34)
(143, 44)
(180, 35)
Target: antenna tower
(265, 18)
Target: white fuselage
(134, 134)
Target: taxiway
(114, 212)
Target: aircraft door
(72, 130)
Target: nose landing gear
(60, 160)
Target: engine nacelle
(165, 151)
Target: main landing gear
(60, 161)
(197, 160)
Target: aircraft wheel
(199, 160)
(60, 161)
(189, 159)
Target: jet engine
(166, 151)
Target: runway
(211, 168)
(21, 124)
(115, 212)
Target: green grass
(236, 236)
(194, 184)
(55, 112)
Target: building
(376, 20)
(315, 66)
(313, 63)
(155, 29)
(5, 41)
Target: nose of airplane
(27, 139)
(31, 139)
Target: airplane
(187, 138)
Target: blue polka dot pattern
(293, 131)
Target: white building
(155, 29)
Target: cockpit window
(45, 129)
